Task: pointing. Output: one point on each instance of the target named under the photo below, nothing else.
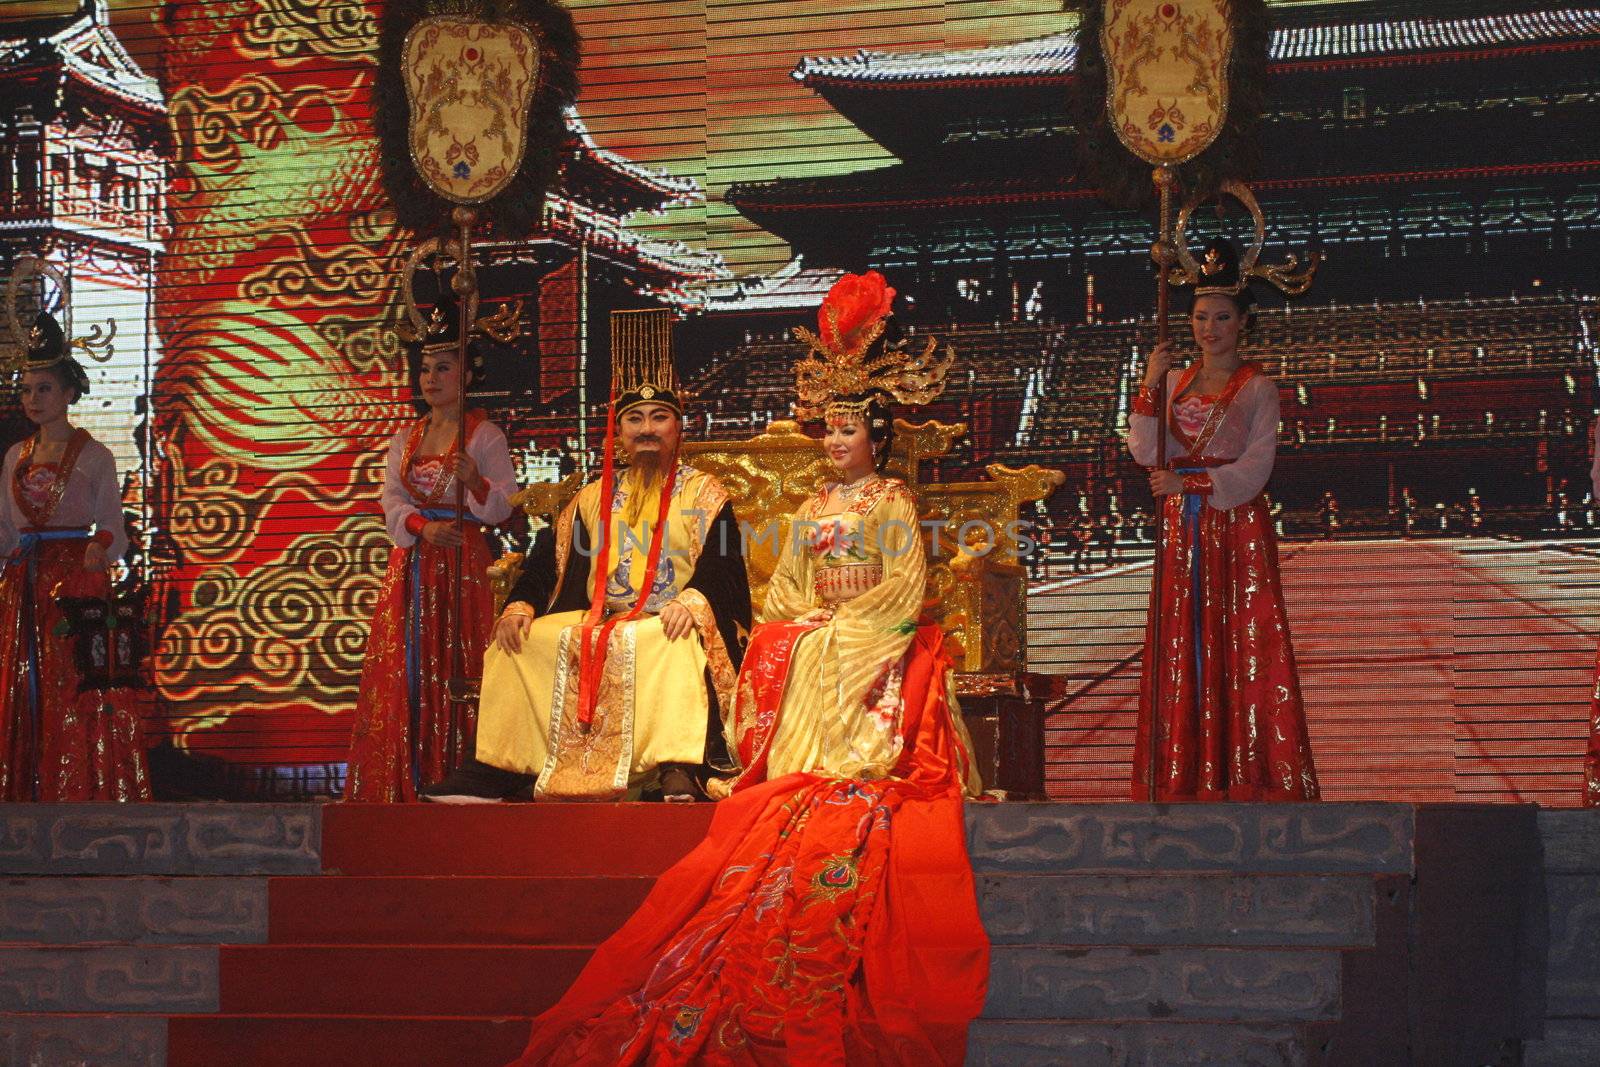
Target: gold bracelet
(526, 611)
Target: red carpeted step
(395, 979)
(348, 1041)
(512, 839)
(450, 911)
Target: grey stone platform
(1134, 935)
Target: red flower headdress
(846, 367)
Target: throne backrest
(976, 585)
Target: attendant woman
(1231, 725)
(60, 530)
(408, 732)
(830, 915)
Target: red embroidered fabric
(823, 921)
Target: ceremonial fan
(471, 99)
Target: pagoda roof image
(49, 63)
(988, 133)
(591, 205)
(861, 86)
(792, 287)
(606, 179)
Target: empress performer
(1231, 725)
(61, 529)
(408, 732)
(830, 915)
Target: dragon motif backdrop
(282, 375)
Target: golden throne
(977, 586)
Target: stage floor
(1433, 669)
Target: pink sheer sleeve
(1594, 465)
(1143, 425)
(488, 450)
(105, 497)
(1241, 480)
(397, 505)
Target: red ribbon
(595, 635)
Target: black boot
(478, 783)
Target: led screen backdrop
(207, 174)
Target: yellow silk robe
(652, 706)
(840, 712)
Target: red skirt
(823, 921)
(1232, 724)
(60, 744)
(408, 733)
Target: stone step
(96, 979)
(1135, 1044)
(1323, 838)
(1186, 909)
(133, 910)
(346, 1040)
(397, 980)
(1565, 1043)
(451, 910)
(1171, 984)
(79, 1040)
(1571, 841)
(160, 839)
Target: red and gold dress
(830, 916)
(408, 733)
(1231, 723)
(57, 741)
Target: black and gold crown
(46, 343)
(1222, 269)
(642, 370)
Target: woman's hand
(818, 615)
(511, 627)
(1165, 483)
(94, 557)
(676, 620)
(442, 533)
(1158, 364)
(468, 475)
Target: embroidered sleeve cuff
(1145, 402)
(103, 537)
(1197, 484)
(414, 523)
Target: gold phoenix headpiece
(45, 343)
(1221, 272)
(841, 374)
(642, 370)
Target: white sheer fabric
(1248, 436)
(486, 446)
(93, 497)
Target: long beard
(644, 475)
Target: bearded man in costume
(617, 652)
